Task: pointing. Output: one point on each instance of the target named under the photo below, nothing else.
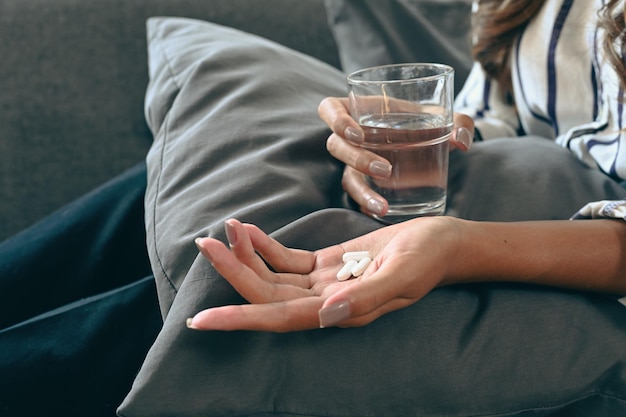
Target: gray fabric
(73, 76)
(527, 178)
(377, 32)
(237, 117)
(237, 135)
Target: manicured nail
(231, 233)
(375, 206)
(198, 243)
(380, 169)
(353, 134)
(334, 313)
(464, 137)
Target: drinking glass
(406, 113)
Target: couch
(74, 75)
(73, 78)
(89, 88)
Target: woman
(549, 68)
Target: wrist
(464, 258)
(451, 237)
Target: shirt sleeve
(481, 99)
(602, 142)
(605, 209)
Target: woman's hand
(409, 260)
(344, 142)
(301, 291)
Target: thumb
(462, 139)
(358, 306)
(359, 303)
(388, 287)
(463, 135)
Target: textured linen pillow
(232, 114)
(377, 32)
(237, 135)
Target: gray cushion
(232, 114)
(237, 135)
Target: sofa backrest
(73, 75)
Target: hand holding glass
(406, 113)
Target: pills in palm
(355, 263)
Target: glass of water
(406, 112)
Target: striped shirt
(564, 89)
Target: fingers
(463, 134)
(281, 258)
(334, 111)
(354, 184)
(256, 286)
(232, 269)
(293, 315)
(358, 158)
(343, 143)
(242, 248)
(386, 285)
(367, 301)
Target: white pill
(346, 271)
(356, 256)
(360, 267)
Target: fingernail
(198, 243)
(231, 233)
(375, 206)
(189, 323)
(334, 313)
(353, 134)
(380, 169)
(464, 137)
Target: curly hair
(612, 21)
(498, 23)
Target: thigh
(80, 359)
(92, 245)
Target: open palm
(290, 295)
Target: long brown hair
(498, 23)
(612, 20)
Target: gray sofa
(73, 75)
(75, 89)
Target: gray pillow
(237, 135)
(232, 114)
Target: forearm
(588, 255)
